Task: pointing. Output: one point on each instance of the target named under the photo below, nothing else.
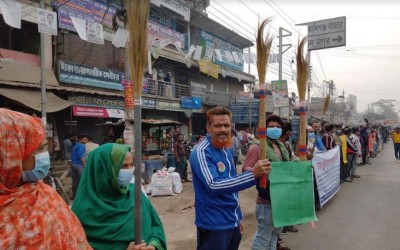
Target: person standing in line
(69, 143)
(318, 141)
(89, 146)
(396, 142)
(180, 155)
(352, 152)
(267, 235)
(327, 139)
(235, 146)
(216, 185)
(344, 166)
(77, 162)
(356, 138)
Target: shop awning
(32, 99)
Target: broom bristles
(138, 13)
(302, 70)
(326, 103)
(263, 50)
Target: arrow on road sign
(339, 39)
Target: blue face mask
(274, 133)
(41, 169)
(311, 135)
(125, 176)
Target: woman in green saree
(104, 203)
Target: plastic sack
(161, 183)
(176, 183)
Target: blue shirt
(78, 153)
(216, 186)
(318, 143)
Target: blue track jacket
(216, 185)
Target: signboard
(210, 42)
(241, 111)
(295, 127)
(191, 102)
(97, 102)
(328, 33)
(175, 106)
(98, 112)
(217, 99)
(99, 11)
(175, 6)
(198, 89)
(81, 74)
(161, 32)
(157, 16)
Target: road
(363, 215)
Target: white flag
(80, 26)
(236, 57)
(228, 56)
(218, 53)
(178, 47)
(208, 54)
(120, 38)
(191, 50)
(197, 53)
(47, 21)
(95, 33)
(11, 11)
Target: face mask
(338, 131)
(274, 133)
(125, 176)
(41, 169)
(311, 135)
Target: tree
(387, 107)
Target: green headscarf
(106, 210)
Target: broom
(137, 13)
(263, 50)
(302, 78)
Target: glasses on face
(127, 165)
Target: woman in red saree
(32, 214)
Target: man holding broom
(216, 185)
(267, 235)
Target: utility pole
(281, 51)
(43, 73)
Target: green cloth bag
(292, 193)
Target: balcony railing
(165, 89)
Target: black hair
(82, 136)
(274, 118)
(286, 127)
(329, 127)
(355, 130)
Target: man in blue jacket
(216, 185)
(78, 162)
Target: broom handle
(262, 132)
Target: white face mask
(41, 169)
(125, 176)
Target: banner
(99, 11)
(292, 193)
(223, 50)
(280, 93)
(98, 112)
(209, 68)
(327, 174)
(162, 32)
(81, 74)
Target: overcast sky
(368, 66)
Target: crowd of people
(32, 214)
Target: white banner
(218, 53)
(197, 53)
(327, 173)
(120, 38)
(208, 54)
(80, 26)
(47, 21)
(190, 52)
(11, 11)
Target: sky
(367, 67)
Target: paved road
(365, 214)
